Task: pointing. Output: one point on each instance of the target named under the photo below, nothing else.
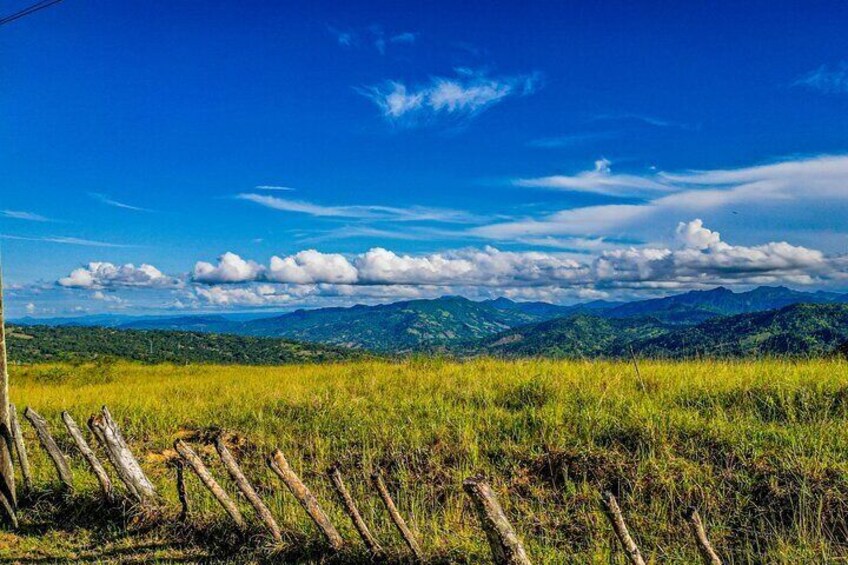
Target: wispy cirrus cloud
(572, 140)
(644, 119)
(109, 201)
(274, 187)
(812, 188)
(22, 215)
(466, 94)
(600, 180)
(63, 240)
(374, 35)
(363, 212)
(827, 79)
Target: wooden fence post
(20, 447)
(708, 554)
(182, 495)
(247, 489)
(506, 547)
(397, 519)
(50, 446)
(7, 469)
(109, 435)
(194, 461)
(277, 462)
(368, 538)
(90, 457)
(615, 517)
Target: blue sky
(238, 155)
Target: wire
(27, 11)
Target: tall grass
(760, 447)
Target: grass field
(761, 447)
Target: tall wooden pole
(7, 470)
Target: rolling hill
(398, 328)
(33, 344)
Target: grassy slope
(761, 447)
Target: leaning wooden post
(277, 462)
(615, 517)
(20, 447)
(90, 457)
(50, 446)
(196, 464)
(109, 435)
(247, 489)
(708, 554)
(182, 494)
(397, 519)
(7, 469)
(368, 538)
(506, 547)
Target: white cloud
(466, 94)
(21, 215)
(362, 212)
(273, 187)
(700, 258)
(830, 80)
(98, 275)
(600, 180)
(109, 201)
(64, 241)
(310, 266)
(806, 191)
(30, 308)
(230, 269)
(257, 295)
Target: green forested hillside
(42, 343)
(797, 330)
(398, 328)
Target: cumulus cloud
(309, 267)
(230, 269)
(700, 257)
(98, 275)
(466, 94)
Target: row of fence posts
(506, 547)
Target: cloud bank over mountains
(699, 258)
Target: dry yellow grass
(761, 447)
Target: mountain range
(710, 322)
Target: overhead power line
(27, 11)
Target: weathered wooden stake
(20, 447)
(50, 446)
(277, 462)
(247, 489)
(397, 519)
(7, 468)
(118, 452)
(196, 464)
(613, 512)
(506, 547)
(90, 457)
(368, 538)
(708, 554)
(182, 495)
